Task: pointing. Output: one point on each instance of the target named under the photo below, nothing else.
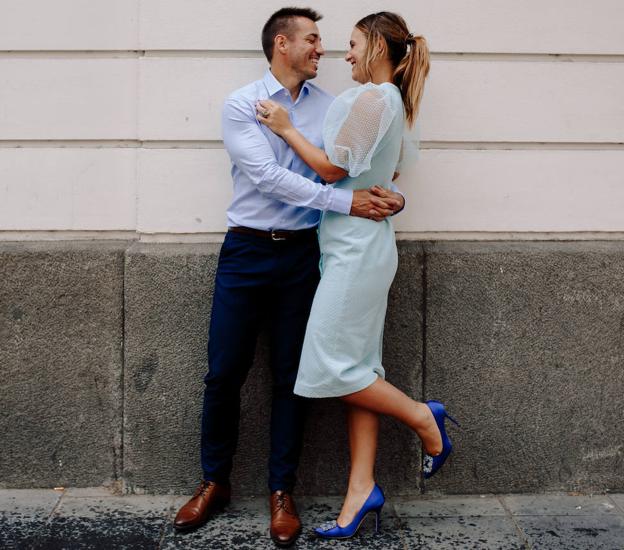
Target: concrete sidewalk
(96, 518)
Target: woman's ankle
(359, 486)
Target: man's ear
(280, 44)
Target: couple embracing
(299, 156)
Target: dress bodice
(363, 132)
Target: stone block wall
(103, 351)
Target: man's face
(304, 48)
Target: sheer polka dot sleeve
(355, 125)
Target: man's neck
(289, 80)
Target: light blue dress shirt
(273, 187)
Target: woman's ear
(381, 47)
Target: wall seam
(445, 145)
(122, 378)
(423, 359)
(514, 57)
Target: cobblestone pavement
(96, 518)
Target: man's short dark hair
(283, 22)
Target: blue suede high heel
(431, 464)
(374, 503)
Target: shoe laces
(282, 503)
(203, 488)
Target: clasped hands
(376, 203)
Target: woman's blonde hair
(408, 54)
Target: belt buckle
(274, 236)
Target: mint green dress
(341, 354)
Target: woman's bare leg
(381, 397)
(363, 431)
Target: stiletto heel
(431, 464)
(453, 420)
(377, 520)
(374, 503)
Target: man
(268, 267)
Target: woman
(341, 354)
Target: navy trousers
(257, 280)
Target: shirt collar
(273, 85)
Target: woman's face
(356, 55)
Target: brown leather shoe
(285, 522)
(208, 498)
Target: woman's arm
(314, 157)
(275, 116)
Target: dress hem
(306, 391)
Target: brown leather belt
(277, 234)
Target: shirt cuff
(402, 208)
(397, 190)
(341, 201)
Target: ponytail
(410, 74)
